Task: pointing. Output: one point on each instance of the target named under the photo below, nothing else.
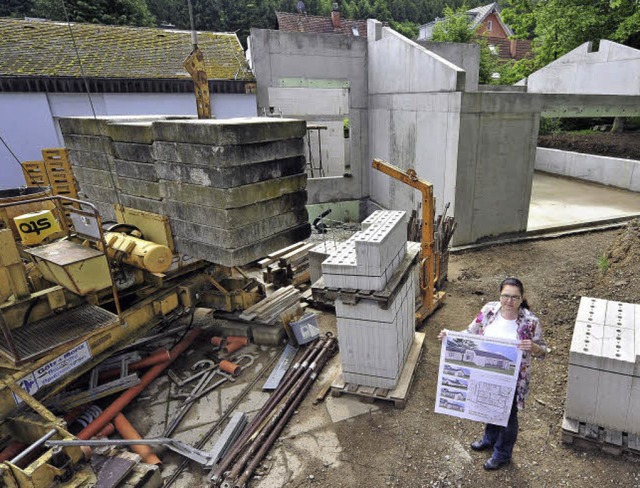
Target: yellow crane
(429, 256)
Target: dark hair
(518, 284)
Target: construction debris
(290, 268)
(269, 311)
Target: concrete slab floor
(558, 201)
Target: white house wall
(27, 120)
(26, 126)
(613, 69)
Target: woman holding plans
(509, 318)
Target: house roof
(478, 15)
(313, 23)
(34, 48)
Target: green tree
(457, 26)
(15, 8)
(113, 12)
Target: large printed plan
(477, 378)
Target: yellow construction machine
(72, 292)
(429, 255)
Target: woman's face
(510, 297)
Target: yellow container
(35, 227)
(79, 269)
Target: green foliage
(406, 28)
(603, 263)
(549, 126)
(457, 26)
(559, 26)
(15, 8)
(112, 12)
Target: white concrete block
(586, 345)
(633, 411)
(592, 310)
(620, 314)
(582, 393)
(612, 404)
(618, 351)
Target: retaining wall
(618, 172)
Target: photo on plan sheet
(450, 405)
(479, 354)
(453, 394)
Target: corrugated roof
(313, 23)
(43, 48)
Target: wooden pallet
(589, 436)
(399, 394)
(385, 297)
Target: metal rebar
(34, 446)
(277, 395)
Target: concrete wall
(618, 172)
(613, 69)
(496, 157)
(413, 117)
(306, 76)
(28, 121)
(465, 56)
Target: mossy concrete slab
(90, 176)
(246, 234)
(98, 144)
(228, 177)
(139, 188)
(245, 254)
(238, 196)
(141, 171)
(94, 160)
(133, 151)
(247, 130)
(236, 155)
(234, 217)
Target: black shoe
(492, 464)
(480, 446)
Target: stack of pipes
(248, 451)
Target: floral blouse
(528, 328)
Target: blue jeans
(503, 438)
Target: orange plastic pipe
(106, 431)
(216, 341)
(238, 339)
(129, 432)
(157, 357)
(232, 347)
(125, 398)
(229, 367)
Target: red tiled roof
(313, 23)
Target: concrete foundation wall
(613, 69)
(618, 172)
(413, 117)
(465, 56)
(319, 78)
(496, 157)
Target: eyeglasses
(510, 297)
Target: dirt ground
(415, 447)
(625, 145)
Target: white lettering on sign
(54, 370)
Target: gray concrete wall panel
(618, 172)
(465, 56)
(613, 69)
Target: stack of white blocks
(368, 259)
(604, 366)
(374, 342)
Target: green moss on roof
(36, 48)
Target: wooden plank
(591, 431)
(301, 278)
(285, 250)
(570, 425)
(296, 253)
(633, 441)
(613, 437)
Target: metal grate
(34, 340)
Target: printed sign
(54, 370)
(478, 377)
